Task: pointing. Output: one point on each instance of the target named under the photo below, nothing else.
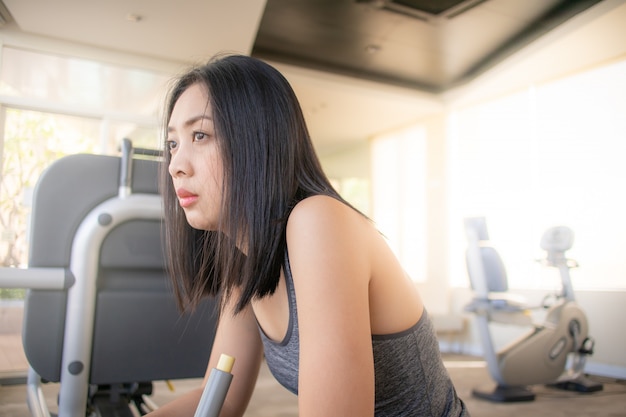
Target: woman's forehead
(194, 100)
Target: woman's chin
(201, 224)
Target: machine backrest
(484, 265)
(139, 335)
(495, 272)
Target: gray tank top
(410, 378)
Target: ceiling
(359, 67)
(423, 44)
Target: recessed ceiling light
(372, 48)
(134, 17)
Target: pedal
(586, 348)
(104, 406)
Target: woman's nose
(179, 164)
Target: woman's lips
(186, 198)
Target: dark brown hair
(269, 166)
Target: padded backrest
(495, 273)
(492, 268)
(138, 333)
(484, 265)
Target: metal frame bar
(80, 282)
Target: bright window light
(398, 192)
(70, 82)
(551, 155)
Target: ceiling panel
(378, 40)
(181, 30)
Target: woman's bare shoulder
(320, 210)
(323, 232)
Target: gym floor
(272, 400)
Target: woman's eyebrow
(191, 121)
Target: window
(32, 141)
(52, 106)
(551, 155)
(398, 192)
(59, 105)
(80, 85)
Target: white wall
(350, 162)
(435, 290)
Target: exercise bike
(539, 356)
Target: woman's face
(195, 166)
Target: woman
(303, 278)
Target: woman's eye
(171, 144)
(199, 136)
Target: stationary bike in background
(540, 355)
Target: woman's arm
(236, 336)
(328, 252)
